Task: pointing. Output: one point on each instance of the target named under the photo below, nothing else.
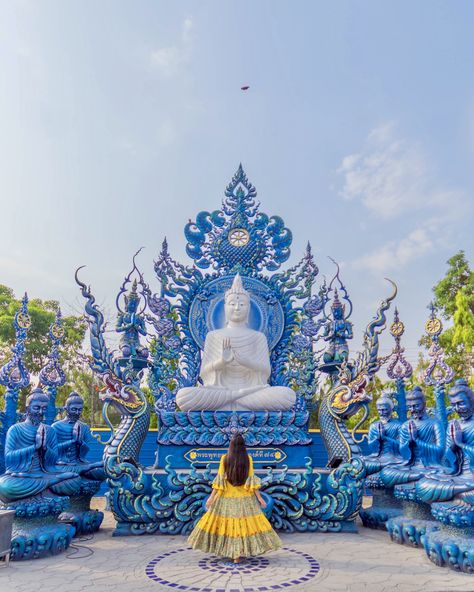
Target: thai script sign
(213, 455)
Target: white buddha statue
(236, 366)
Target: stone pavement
(362, 562)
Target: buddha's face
(416, 407)
(36, 410)
(462, 405)
(74, 410)
(384, 410)
(237, 308)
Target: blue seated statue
(458, 476)
(31, 454)
(382, 439)
(421, 441)
(74, 438)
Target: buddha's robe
(384, 451)
(240, 385)
(72, 454)
(30, 471)
(426, 452)
(458, 475)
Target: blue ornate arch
(238, 238)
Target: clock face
(239, 237)
(397, 328)
(23, 320)
(433, 326)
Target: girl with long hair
(234, 525)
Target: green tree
(454, 298)
(463, 332)
(458, 277)
(42, 313)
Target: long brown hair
(236, 462)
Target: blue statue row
(420, 470)
(46, 479)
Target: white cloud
(394, 255)
(389, 175)
(392, 177)
(168, 60)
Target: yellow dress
(235, 525)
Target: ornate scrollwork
(14, 374)
(398, 366)
(301, 503)
(52, 375)
(438, 372)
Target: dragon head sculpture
(348, 394)
(123, 394)
(347, 397)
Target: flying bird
(244, 87)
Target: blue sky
(121, 120)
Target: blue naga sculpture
(347, 394)
(237, 239)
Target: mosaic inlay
(184, 569)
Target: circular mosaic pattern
(246, 566)
(187, 570)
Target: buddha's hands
(40, 440)
(227, 356)
(227, 352)
(76, 433)
(381, 430)
(456, 434)
(412, 431)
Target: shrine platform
(364, 562)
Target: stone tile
(364, 562)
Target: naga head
(349, 394)
(125, 395)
